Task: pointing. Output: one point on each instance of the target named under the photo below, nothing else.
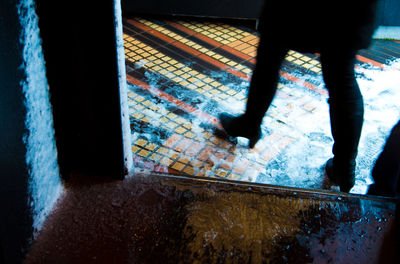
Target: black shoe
(240, 127)
(344, 177)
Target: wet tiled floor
(182, 74)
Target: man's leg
(346, 113)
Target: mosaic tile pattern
(183, 74)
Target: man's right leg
(346, 112)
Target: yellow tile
(180, 130)
(208, 80)
(207, 135)
(172, 116)
(170, 125)
(217, 56)
(297, 55)
(164, 119)
(221, 172)
(298, 62)
(222, 88)
(231, 92)
(147, 103)
(173, 155)
(135, 149)
(223, 96)
(155, 157)
(289, 58)
(180, 120)
(138, 115)
(141, 142)
(178, 166)
(189, 134)
(185, 76)
(317, 70)
(162, 150)
(184, 83)
(143, 153)
(233, 176)
(196, 163)
(146, 119)
(184, 159)
(215, 84)
(247, 71)
(151, 146)
(149, 65)
(188, 126)
(155, 108)
(177, 79)
(189, 170)
(166, 161)
(200, 84)
(138, 107)
(193, 80)
(224, 60)
(207, 167)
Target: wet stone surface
(159, 219)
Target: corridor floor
(182, 74)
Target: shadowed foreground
(157, 219)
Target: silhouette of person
(336, 30)
(386, 171)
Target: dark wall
(15, 218)
(204, 8)
(81, 61)
(79, 44)
(388, 14)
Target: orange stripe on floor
(369, 61)
(211, 119)
(190, 50)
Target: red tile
(205, 154)
(241, 166)
(194, 149)
(183, 145)
(172, 140)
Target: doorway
(183, 72)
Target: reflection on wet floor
(183, 74)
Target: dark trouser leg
(261, 92)
(264, 82)
(386, 171)
(346, 113)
